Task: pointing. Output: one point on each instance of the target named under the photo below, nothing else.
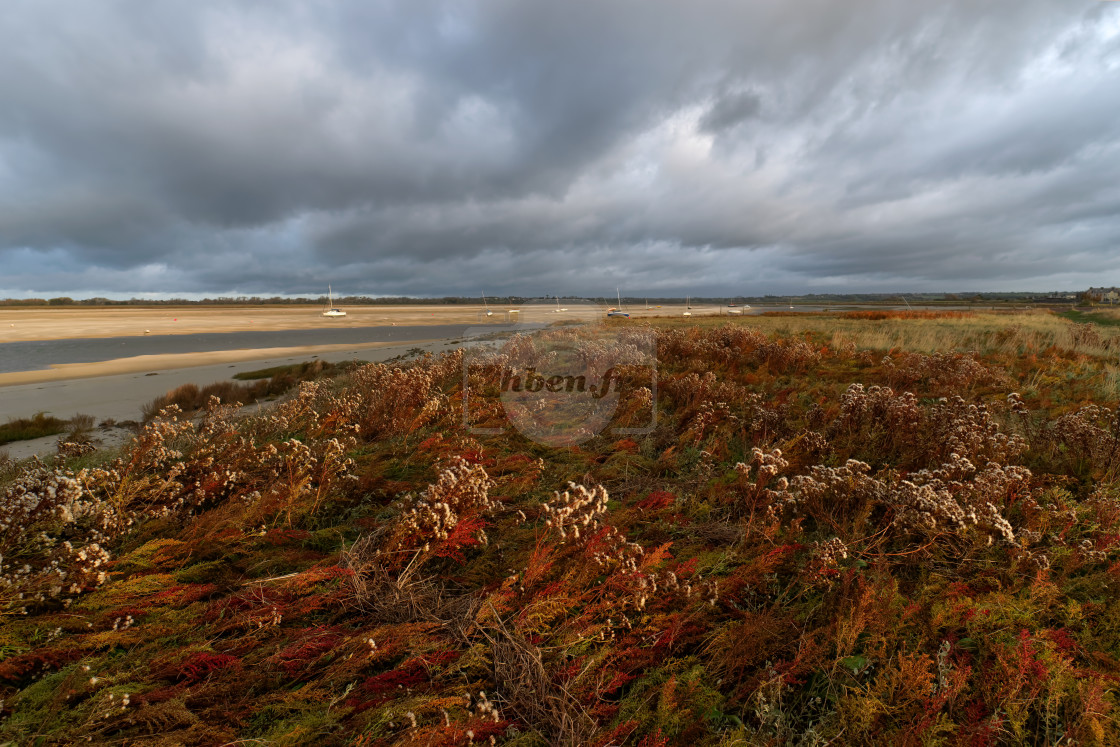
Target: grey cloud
(731, 110)
(435, 146)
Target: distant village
(1103, 295)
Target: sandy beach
(67, 322)
(58, 323)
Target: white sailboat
(687, 306)
(736, 309)
(331, 310)
(487, 306)
(617, 311)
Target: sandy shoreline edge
(118, 390)
(176, 361)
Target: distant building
(1105, 295)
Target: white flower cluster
(1090, 434)
(170, 467)
(758, 486)
(577, 508)
(36, 509)
(709, 414)
(861, 407)
(650, 585)
(956, 497)
(641, 399)
(960, 371)
(462, 490)
(970, 430)
(76, 448)
(614, 551)
(824, 564)
(951, 425)
(766, 465)
(398, 400)
(484, 707)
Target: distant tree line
(769, 299)
(256, 301)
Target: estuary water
(42, 354)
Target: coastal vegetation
(885, 528)
(41, 424)
(267, 383)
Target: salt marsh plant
(822, 541)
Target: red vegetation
(200, 666)
(813, 546)
(875, 315)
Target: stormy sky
(428, 148)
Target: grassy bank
(267, 383)
(1001, 333)
(40, 425)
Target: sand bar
(59, 323)
(118, 389)
(69, 322)
(66, 322)
(157, 363)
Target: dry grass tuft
(407, 596)
(536, 698)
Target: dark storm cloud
(446, 147)
(730, 110)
